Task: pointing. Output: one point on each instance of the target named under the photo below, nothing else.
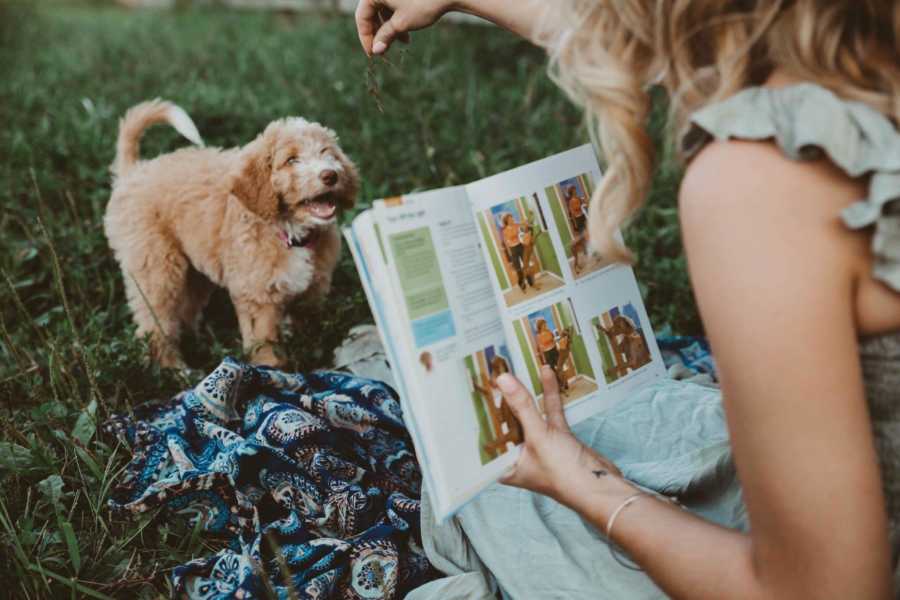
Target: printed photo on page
(549, 283)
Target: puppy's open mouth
(291, 240)
(322, 206)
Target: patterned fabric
(313, 479)
(689, 352)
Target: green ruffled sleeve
(808, 122)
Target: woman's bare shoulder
(757, 176)
(784, 218)
(747, 190)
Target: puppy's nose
(328, 177)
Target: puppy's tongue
(322, 208)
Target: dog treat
(372, 86)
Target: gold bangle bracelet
(614, 549)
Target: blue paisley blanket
(312, 478)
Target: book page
(366, 247)
(450, 340)
(561, 304)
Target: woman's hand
(380, 22)
(553, 461)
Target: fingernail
(506, 383)
(379, 47)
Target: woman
(578, 218)
(515, 250)
(787, 113)
(546, 341)
(528, 234)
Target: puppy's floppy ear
(252, 183)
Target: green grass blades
(458, 104)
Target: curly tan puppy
(260, 220)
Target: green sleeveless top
(809, 122)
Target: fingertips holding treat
(366, 15)
(386, 34)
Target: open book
(496, 276)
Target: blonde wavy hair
(609, 53)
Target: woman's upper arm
(773, 272)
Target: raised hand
(553, 461)
(380, 22)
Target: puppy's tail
(141, 117)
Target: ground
(545, 281)
(579, 387)
(461, 103)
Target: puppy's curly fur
(259, 220)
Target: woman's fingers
(387, 33)
(552, 401)
(380, 22)
(367, 23)
(384, 15)
(521, 403)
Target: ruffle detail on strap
(808, 121)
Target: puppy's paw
(266, 355)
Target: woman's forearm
(689, 557)
(685, 555)
(530, 19)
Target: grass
(461, 103)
